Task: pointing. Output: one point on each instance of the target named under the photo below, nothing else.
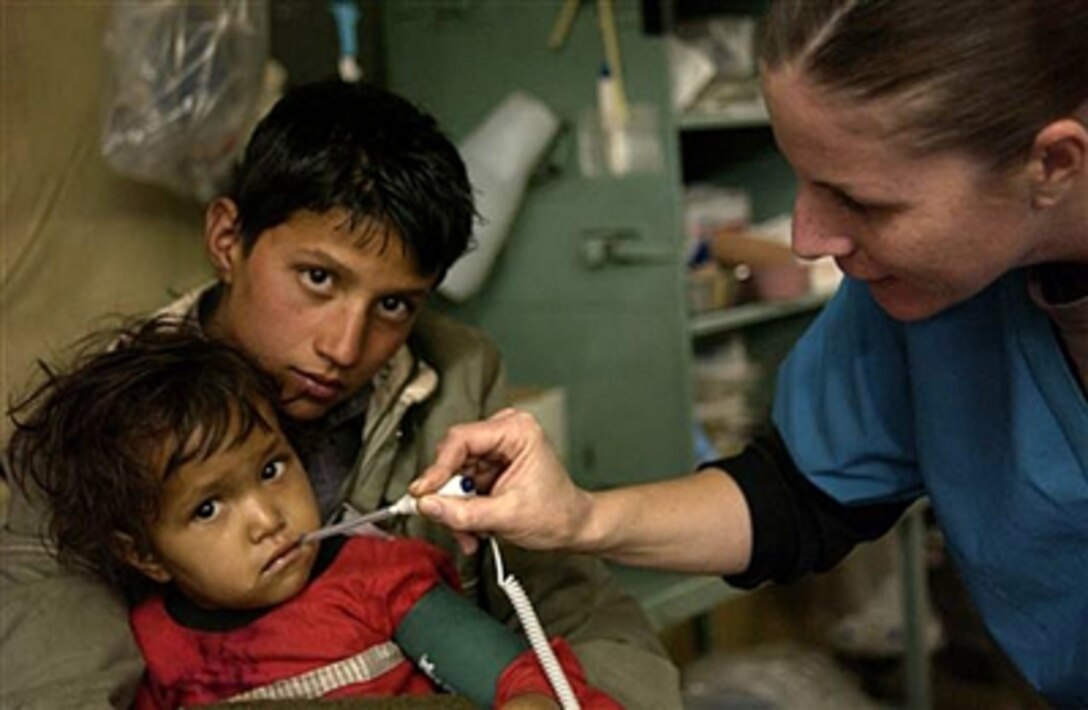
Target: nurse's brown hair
(982, 76)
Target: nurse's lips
(317, 387)
(860, 275)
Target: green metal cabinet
(616, 337)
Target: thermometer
(458, 487)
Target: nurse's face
(923, 233)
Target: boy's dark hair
(365, 150)
(98, 440)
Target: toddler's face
(228, 524)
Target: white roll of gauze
(500, 156)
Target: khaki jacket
(64, 638)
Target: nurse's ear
(223, 242)
(1059, 162)
(147, 563)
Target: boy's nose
(341, 336)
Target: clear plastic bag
(183, 85)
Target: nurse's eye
(273, 470)
(206, 510)
(848, 202)
(316, 279)
(396, 308)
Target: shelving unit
(704, 121)
(737, 317)
(672, 598)
(732, 146)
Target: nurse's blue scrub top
(978, 409)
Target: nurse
(941, 156)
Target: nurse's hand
(531, 500)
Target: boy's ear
(1059, 160)
(222, 237)
(147, 564)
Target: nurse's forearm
(696, 523)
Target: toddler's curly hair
(96, 441)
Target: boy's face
(228, 525)
(316, 308)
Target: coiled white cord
(535, 633)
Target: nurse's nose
(820, 226)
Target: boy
(348, 207)
(162, 461)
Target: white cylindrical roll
(500, 155)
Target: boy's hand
(530, 701)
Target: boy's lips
(316, 386)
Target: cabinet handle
(623, 247)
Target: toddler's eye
(206, 510)
(273, 470)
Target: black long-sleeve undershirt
(796, 527)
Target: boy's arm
(64, 636)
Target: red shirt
(334, 639)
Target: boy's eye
(396, 308)
(317, 278)
(273, 470)
(206, 510)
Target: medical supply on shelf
(346, 15)
(500, 156)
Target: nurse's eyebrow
(851, 194)
(836, 187)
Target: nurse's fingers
(480, 450)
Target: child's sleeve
(525, 675)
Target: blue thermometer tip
(459, 487)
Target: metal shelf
(669, 598)
(737, 317)
(704, 121)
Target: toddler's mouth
(283, 557)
